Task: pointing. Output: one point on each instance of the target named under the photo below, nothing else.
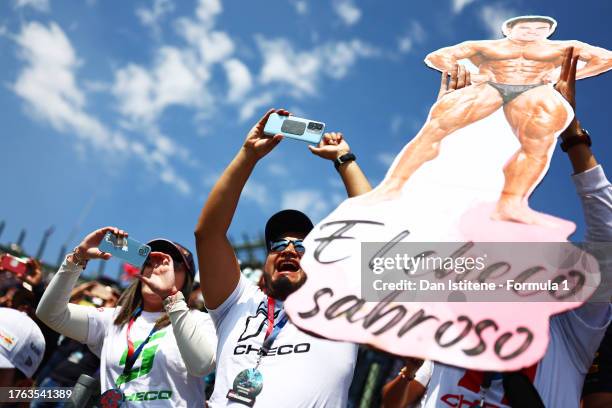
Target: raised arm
(219, 269)
(193, 330)
(598, 60)
(332, 147)
(446, 58)
(595, 194)
(54, 308)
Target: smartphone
(306, 130)
(13, 264)
(128, 249)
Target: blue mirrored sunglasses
(281, 244)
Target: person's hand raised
(88, 248)
(459, 78)
(566, 85)
(332, 146)
(256, 143)
(158, 274)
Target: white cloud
(277, 169)
(340, 56)
(213, 46)
(493, 17)
(239, 79)
(458, 5)
(178, 75)
(48, 84)
(208, 10)
(175, 79)
(285, 65)
(386, 158)
(287, 70)
(151, 17)
(348, 12)
(39, 5)
(257, 192)
(396, 124)
(251, 106)
(414, 35)
(302, 70)
(311, 202)
(301, 6)
(49, 88)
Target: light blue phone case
(128, 249)
(306, 130)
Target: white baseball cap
(22, 344)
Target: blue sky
(125, 113)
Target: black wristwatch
(345, 158)
(582, 138)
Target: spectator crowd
(192, 330)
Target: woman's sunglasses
(281, 244)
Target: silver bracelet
(76, 260)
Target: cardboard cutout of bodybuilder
(464, 178)
(515, 74)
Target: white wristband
(172, 301)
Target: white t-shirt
(159, 376)
(558, 377)
(299, 371)
(422, 376)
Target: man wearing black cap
(262, 358)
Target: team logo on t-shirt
(472, 380)
(255, 324)
(146, 357)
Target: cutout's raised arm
(446, 58)
(598, 60)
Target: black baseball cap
(286, 221)
(176, 251)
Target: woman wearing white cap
(139, 357)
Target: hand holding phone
(306, 130)
(128, 249)
(257, 144)
(332, 146)
(89, 247)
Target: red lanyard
(271, 332)
(271, 303)
(132, 355)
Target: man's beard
(282, 286)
